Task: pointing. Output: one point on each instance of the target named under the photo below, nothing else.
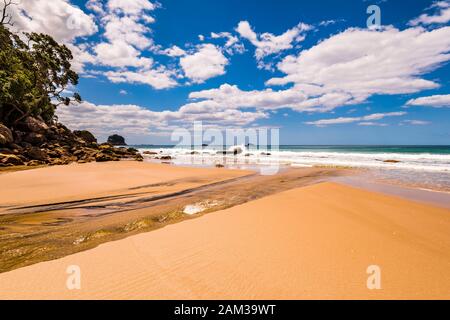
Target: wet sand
(306, 243)
(50, 213)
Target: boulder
(102, 157)
(35, 153)
(11, 160)
(34, 163)
(6, 136)
(34, 138)
(116, 140)
(86, 136)
(30, 124)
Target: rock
(34, 163)
(150, 152)
(86, 136)
(11, 159)
(30, 124)
(391, 161)
(6, 136)
(165, 158)
(266, 154)
(116, 140)
(34, 139)
(6, 151)
(35, 153)
(102, 157)
(219, 165)
(139, 157)
(133, 150)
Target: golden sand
(305, 243)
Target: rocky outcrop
(86, 136)
(34, 142)
(116, 140)
(6, 136)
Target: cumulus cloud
(58, 18)
(135, 120)
(441, 16)
(359, 63)
(436, 101)
(232, 44)
(205, 63)
(230, 96)
(365, 120)
(267, 43)
(173, 51)
(160, 78)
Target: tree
(35, 71)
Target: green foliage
(34, 72)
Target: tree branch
(5, 17)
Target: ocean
(425, 167)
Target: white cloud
(359, 63)
(134, 7)
(372, 124)
(207, 62)
(133, 120)
(267, 43)
(160, 78)
(120, 54)
(232, 44)
(415, 122)
(441, 16)
(365, 120)
(230, 96)
(58, 18)
(127, 29)
(436, 101)
(174, 51)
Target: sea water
(420, 166)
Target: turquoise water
(345, 148)
(422, 166)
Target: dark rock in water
(266, 154)
(219, 165)
(391, 161)
(116, 140)
(6, 136)
(150, 152)
(165, 158)
(85, 135)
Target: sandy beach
(309, 242)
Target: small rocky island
(116, 140)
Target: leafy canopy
(35, 71)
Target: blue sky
(286, 64)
